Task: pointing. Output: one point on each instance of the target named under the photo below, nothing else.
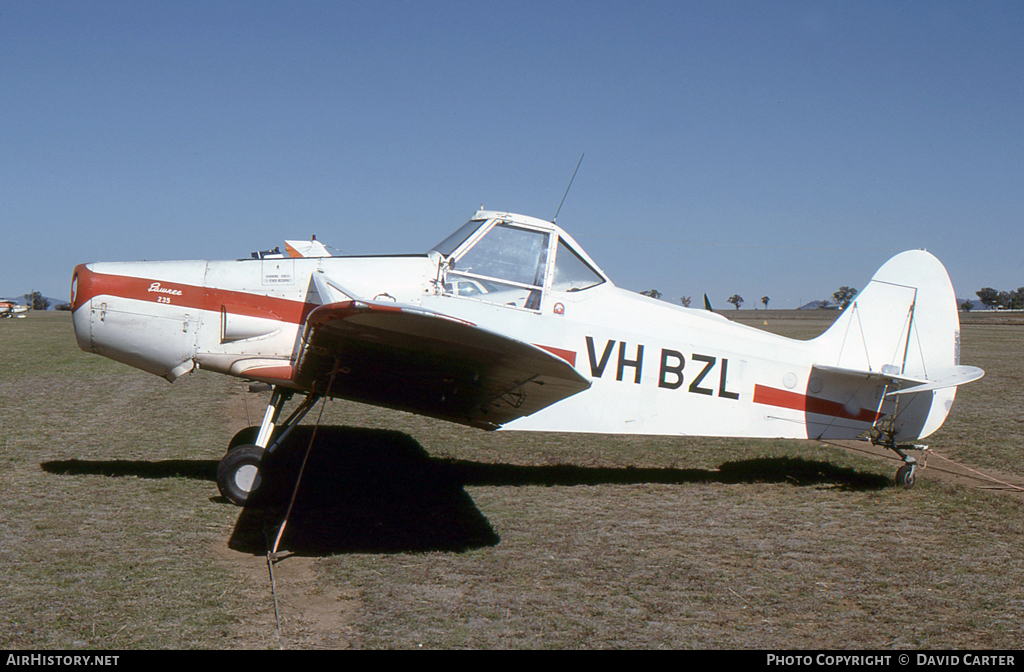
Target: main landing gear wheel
(905, 476)
(242, 472)
(238, 473)
(244, 437)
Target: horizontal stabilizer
(888, 373)
(957, 375)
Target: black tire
(906, 476)
(238, 473)
(244, 437)
(247, 436)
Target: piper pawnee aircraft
(508, 324)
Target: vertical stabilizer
(905, 318)
(904, 324)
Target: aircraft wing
(425, 362)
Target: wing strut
(272, 555)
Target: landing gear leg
(238, 473)
(907, 474)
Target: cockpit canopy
(514, 260)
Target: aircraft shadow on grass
(379, 491)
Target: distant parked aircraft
(9, 308)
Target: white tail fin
(904, 331)
(905, 320)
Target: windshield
(572, 273)
(506, 266)
(509, 253)
(452, 242)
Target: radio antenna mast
(568, 188)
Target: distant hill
(819, 305)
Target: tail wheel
(238, 473)
(906, 476)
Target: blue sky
(760, 148)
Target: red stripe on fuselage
(771, 396)
(567, 355)
(90, 284)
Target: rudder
(904, 324)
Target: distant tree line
(993, 298)
(36, 301)
(842, 298)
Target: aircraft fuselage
(653, 367)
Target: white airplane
(508, 324)
(9, 308)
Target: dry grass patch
(426, 534)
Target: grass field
(414, 533)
